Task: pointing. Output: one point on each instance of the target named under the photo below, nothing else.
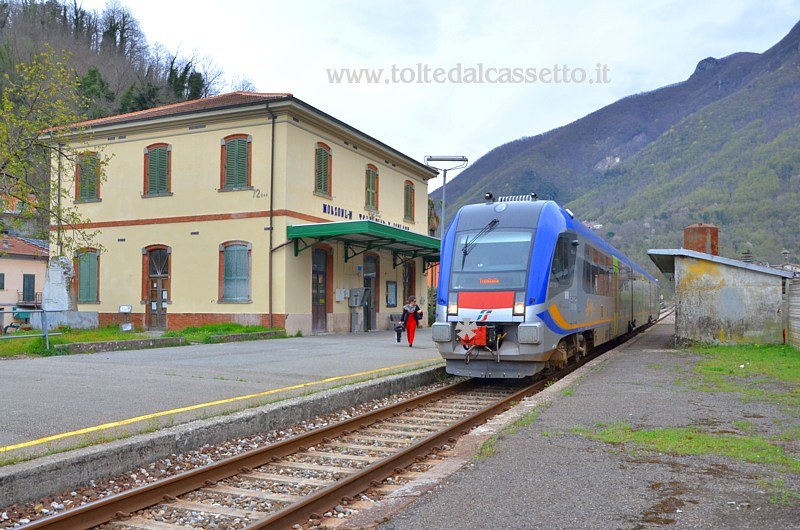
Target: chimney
(702, 238)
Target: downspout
(271, 204)
(59, 239)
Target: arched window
(323, 164)
(371, 188)
(408, 201)
(235, 162)
(157, 164)
(234, 271)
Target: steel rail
(323, 500)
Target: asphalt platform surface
(548, 476)
(55, 401)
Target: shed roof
(665, 261)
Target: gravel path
(548, 476)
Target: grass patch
(776, 362)
(691, 441)
(763, 373)
(36, 345)
(780, 493)
(206, 334)
(488, 448)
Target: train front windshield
(490, 261)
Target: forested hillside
(61, 64)
(117, 68)
(722, 147)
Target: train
(526, 288)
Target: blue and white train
(524, 287)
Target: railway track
(299, 479)
(295, 481)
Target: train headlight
(452, 304)
(519, 304)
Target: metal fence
(20, 317)
(793, 301)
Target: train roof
(527, 211)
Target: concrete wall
(722, 304)
(73, 319)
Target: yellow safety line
(202, 405)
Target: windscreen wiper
(469, 244)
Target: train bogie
(524, 287)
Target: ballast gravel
(17, 515)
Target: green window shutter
(88, 177)
(408, 202)
(237, 273)
(28, 287)
(372, 188)
(87, 277)
(2, 281)
(323, 158)
(236, 163)
(157, 171)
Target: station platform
(58, 402)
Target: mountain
(721, 147)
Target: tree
(38, 142)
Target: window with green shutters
(408, 201)
(28, 288)
(88, 266)
(87, 178)
(236, 162)
(157, 166)
(371, 186)
(322, 169)
(235, 262)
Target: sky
(460, 77)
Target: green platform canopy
(361, 236)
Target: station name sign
(344, 213)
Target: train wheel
(580, 345)
(560, 355)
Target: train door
(371, 283)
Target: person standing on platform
(412, 314)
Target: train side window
(562, 270)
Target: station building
(251, 208)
